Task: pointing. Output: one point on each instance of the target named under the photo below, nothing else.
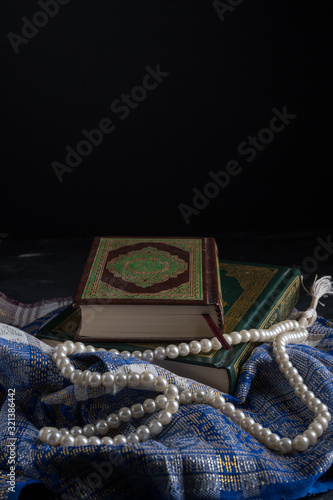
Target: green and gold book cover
(149, 271)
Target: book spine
(277, 307)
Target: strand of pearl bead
(281, 334)
(166, 404)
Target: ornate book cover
(154, 271)
(254, 296)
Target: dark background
(225, 77)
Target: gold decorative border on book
(95, 288)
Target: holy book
(150, 289)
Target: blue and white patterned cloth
(200, 455)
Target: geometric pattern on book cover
(154, 268)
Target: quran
(150, 289)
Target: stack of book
(130, 279)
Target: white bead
(301, 442)
(195, 347)
(76, 377)
(120, 380)
(247, 422)
(114, 351)
(228, 409)
(147, 378)
(61, 349)
(164, 417)
(321, 420)
(102, 427)
(43, 433)
(143, 432)
(317, 428)
(90, 348)
(295, 380)
(254, 335)
(125, 353)
(133, 379)
(67, 370)
(325, 414)
(107, 379)
(62, 361)
(209, 396)
(149, 406)
(272, 440)
(290, 372)
(148, 355)
(136, 354)
(238, 416)
(119, 439)
(300, 389)
(216, 344)
(306, 396)
(199, 396)
(101, 349)
(76, 430)
(88, 430)
(107, 440)
(55, 356)
(186, 397)
(172, 351)
(236, 338)
(263, 433)
(172, 406)
(246, 335)
(85, 377)
(113, 420)
(311, 435)
(161, 401)
(313, 404)
(70, 346)
(132, 438)
(281, 356)
(67, 440)
(206, 345)
(218, 401)
(227, 338)
(79, 347)
(94, 440)
(284, 366)
(94, 379)
(254, 429)
(321, 407)
(53, 438)
(64, 431)
(137, 410)
(171, 391)
(160, 383)
(159, 353)
(285, 445)
(81, 441)
(124, 414)
(184, 349)
(155, 427)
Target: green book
(254, 296)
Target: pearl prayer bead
(236, 338)
(206, 345)
(167, 404)
(195, 347)
(184, 349)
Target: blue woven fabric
(200, 455)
